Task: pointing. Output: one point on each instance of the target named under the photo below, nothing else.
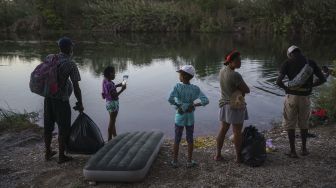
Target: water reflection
(151, 61)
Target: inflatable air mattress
(126, 158)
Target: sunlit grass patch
(202, 142)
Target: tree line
(272, 16)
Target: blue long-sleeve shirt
(184, 95)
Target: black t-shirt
(291, 68)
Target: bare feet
(49, 155)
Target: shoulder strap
(60, 64)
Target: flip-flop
(174, 164)
(64, 159)
(292, 155)
(220, 158)
(191, 164)
(49, 155)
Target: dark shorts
(57, 111)
(189, 133)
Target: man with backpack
(300, 72)
(56, 105)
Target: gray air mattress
(126, 158)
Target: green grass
(14, 121)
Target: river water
(151, 62)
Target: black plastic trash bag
(85, 136)
(253, 147)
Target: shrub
(326, 98)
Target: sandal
(192, 163)
(174, 164)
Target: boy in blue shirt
(183, 96)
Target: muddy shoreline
(22, 164)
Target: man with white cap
(300, 72)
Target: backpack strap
(60, 64)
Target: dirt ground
(22, 165)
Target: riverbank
(22, 164)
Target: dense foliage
(326, 97)
(280, 16)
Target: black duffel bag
(85, 136)
(253, 147)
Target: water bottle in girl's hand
(125, 78)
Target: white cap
(188, 69)
(291, 49)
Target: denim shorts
(189, 133)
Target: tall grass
(11, 120)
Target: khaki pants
(296, 112)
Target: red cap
(228, 57)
